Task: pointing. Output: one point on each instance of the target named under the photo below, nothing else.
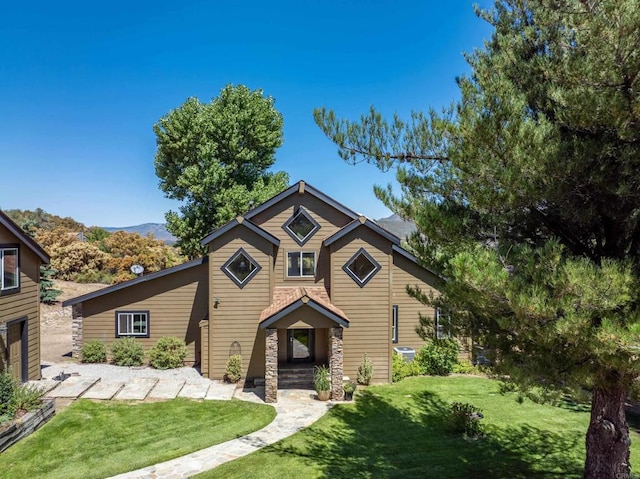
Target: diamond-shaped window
(361, 267)
(301, 226)
(241, 267)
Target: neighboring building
(299, 279)
(20, 260)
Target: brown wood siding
(235, 318)
(367, 308)
(405, 273)
(176, 304)
(24, 304)
(330, 221)
(204, 348)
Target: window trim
(301, 253)
(232, 277)
(296, 213)
(354, 276)
(133, 335)
(394, 323)
(441, 330)
(16, 288)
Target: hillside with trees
(92, 254)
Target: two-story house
(300, 279)
(20, 260)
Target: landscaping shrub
(365, 371)
(321, 378)
(127, 352)
(26, 398)
(233, 371)
(8, 385)
(464, 418)
(438, 357)
(402, 369)
(466, 367)
(169, 352)
(94, 351)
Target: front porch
(311, 328)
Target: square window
(361, 267)
(301, 264)
(301, 226)
(241, 267)
(132, 323)
(9, 270)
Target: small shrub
(93, 276)
(321, 378)
(466, 367)
(365, 371)
(8, 385)
(465, 419)
(438, 357)
(168, 353)
(94, 351)
(233, 371)
(349, 387)
(127, 352)
(26, 398)
(400, 367)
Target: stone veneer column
(76, 330)
(336, 363)
(271, 366)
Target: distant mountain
(393, 223)
(159, 231)
(397, 226)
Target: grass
(400, 431)
(96, 440)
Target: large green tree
(526, 194)
(215, 158)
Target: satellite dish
(137, 269)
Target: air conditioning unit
(406, 352)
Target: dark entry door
(300, 345)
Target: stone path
(295, 410)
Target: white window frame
(3, 252)
(130, 321)
(394, 324)
(301, 255)
(442, 325)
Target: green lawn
(398, 431)
(96, 440)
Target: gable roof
(287, 300)
(301, 187)
(405, 254)
(367, 223)
(24, 237)
(132, 282)
(237, 222)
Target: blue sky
(82, 83)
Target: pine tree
(526, 195)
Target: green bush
(26, 398)
(233, 371)
(465, 367)
(127, 352)
(94, 276)
(365, 371)
(402, 369)
(8, 385)
(464, 418)
(438, 357)
(169, 352)
(94, 351)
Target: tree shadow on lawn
(409, 437)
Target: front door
(17, 342)
(300, 345)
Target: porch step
(295, 378)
